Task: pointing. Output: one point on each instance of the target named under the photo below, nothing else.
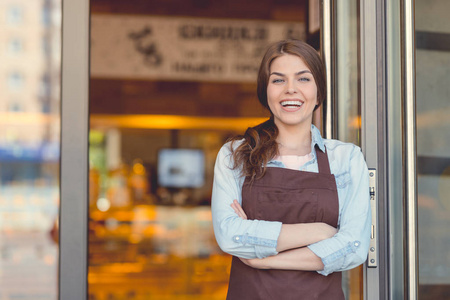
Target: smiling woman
(292, 217)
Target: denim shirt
(347, 249)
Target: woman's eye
(277, 80)
(305, 79)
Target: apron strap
(322, 161)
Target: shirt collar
(316, 138)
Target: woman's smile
(291, 105)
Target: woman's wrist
(258, 263)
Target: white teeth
(291, 103)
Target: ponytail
(258, 147)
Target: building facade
(89, 206)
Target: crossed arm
(293, 255)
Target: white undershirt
(294, 162)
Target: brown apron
(288, 196)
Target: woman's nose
(290, 88)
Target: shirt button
(356, 244)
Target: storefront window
(433, 146)
(29, 151)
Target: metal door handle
(373, 260)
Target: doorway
(171, 81)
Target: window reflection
(14, 14)
(29, 152)
(348, 101)
(15, 45)
(433, 144)
(15, 81)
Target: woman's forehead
(288, 62)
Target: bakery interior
(154, 136)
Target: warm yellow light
(173, 122)
(138, 168)
(103, 204)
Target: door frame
(74, 166)
(375, 89)
(386, 31)
(371, 64)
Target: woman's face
(291, 92)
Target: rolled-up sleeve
(349, 247)
(238, 237)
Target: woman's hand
(256, 263)
(238, 209)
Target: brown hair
(259, 144)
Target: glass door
(433, 146)
(404, 63)
(415, 111)
(346, 101)
(345, 30)
(365, 49)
